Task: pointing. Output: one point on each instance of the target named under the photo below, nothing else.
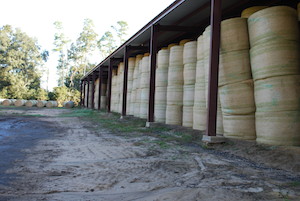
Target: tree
(60, 43)
(121, 30)
(20, 56)
(79, 52)
(108, 42)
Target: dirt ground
(72, 157)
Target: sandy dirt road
(68, 158)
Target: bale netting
(267, 25)
(41, 103)
(251, 10)
(31, 103)
(69, 104)
(278, 128)
(51, 104)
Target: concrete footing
(213, 139)
(151, 124)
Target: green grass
(133, 127)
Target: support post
(99, 89)
(93, 90)
(110, 68)
(124, 103)
(81, 82)
(88, 92)
(153, 52)
(216, 15)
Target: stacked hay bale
(199, 109)
(275, 61)
(131, 64)
(189, 77)
(175, 85)
(135, 85)
(161, 83)
(103, 95)
(249, 11)
(235, 80)
(96, 96)
(206, 52)
(31, 103)
(145, 86)
(91, 101)
(120, 86)
(114, 92)
(138, 91)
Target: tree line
(23, 62)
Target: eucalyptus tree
(60, 45)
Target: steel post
(81, 82)
(99, 89)
(214, 67)
(93, 90)
(88, 92)
(153, 51)
(126, 56)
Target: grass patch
(133, 127)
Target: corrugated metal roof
(194, 13)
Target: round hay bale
(239, 126)
(200, 47)
(41, 103)
(276, 94)
(31, 103)
(199, 118)
(190, 52)
(19, 103)
(234, 67)
(278, 128)
(238, 98)
(267, 25)
(174, 115)
(275, 58)
(187, 116)
(51, 104)
(69, 104)
(234, 35)
(251, 10)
